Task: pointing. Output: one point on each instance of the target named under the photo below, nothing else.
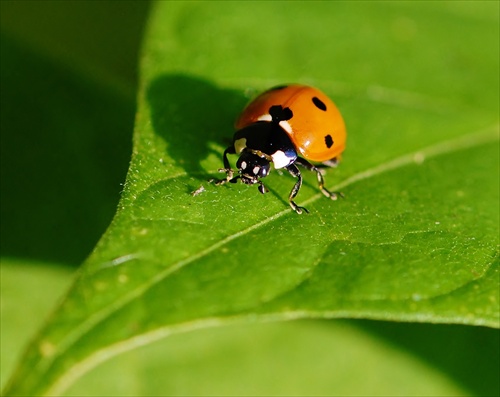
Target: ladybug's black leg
(292, 169)
(262, 188)
(227, 168)
(229, 150)
(321, 182)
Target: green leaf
(416, 238)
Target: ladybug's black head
(252, 167)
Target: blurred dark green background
(68, 83)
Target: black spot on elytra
(278, 113)
(319, 103)
(328, 141)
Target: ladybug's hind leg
(329, 163)
(332, 163)
(321, 182)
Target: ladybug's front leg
(227, 168)
(292, 169)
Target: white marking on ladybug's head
(286, 126)
(240, 145)
(243, 165)
(265, 117)
(256, 170)
(280, 159)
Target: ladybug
(288, 126)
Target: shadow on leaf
(190, 113)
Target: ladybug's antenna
(278, 113)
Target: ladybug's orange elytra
(317, 127)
